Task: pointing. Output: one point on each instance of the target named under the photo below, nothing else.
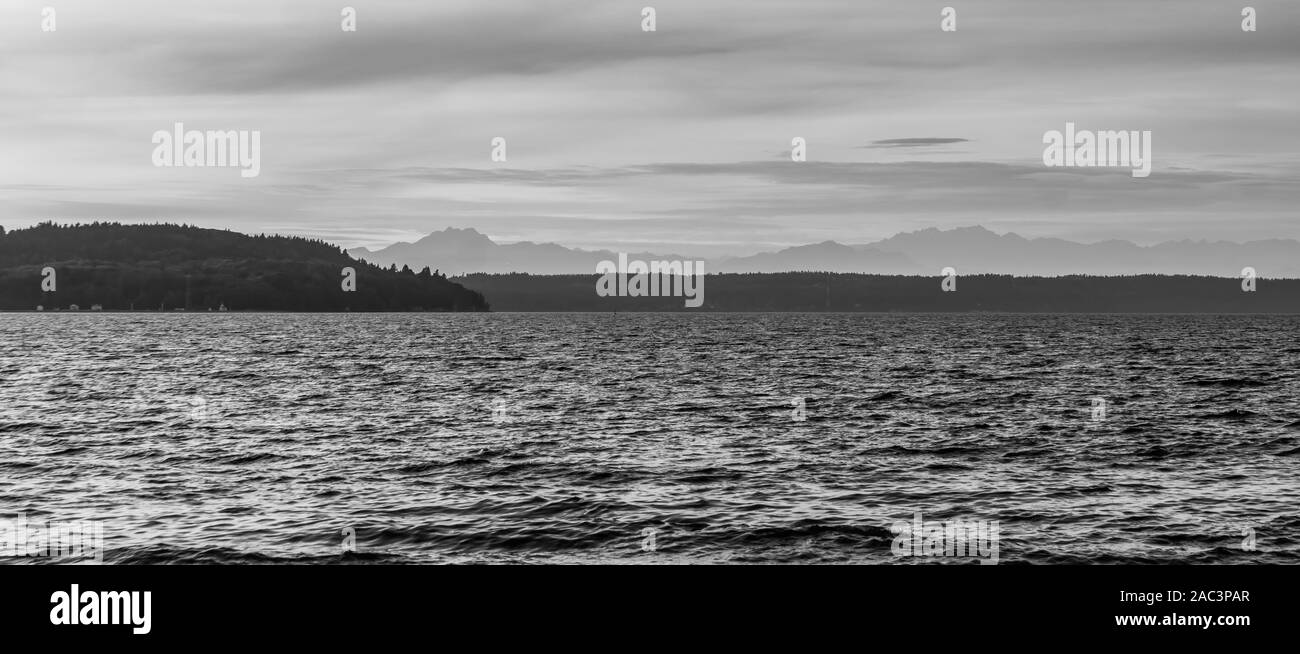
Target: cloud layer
(680, 137)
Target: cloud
(913, 142)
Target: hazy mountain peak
(458, 235)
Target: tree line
(851, 292)
(172, 266)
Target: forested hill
(147, 267)
(816, 291)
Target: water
(438, 438)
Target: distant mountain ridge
(460, 251)
(970, 250)
(975, 250)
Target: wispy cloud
(913, 142)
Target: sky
(673, 140)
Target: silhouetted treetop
(176, 266)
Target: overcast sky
(676, 140)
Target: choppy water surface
(560, 438)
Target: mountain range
(969, 250)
